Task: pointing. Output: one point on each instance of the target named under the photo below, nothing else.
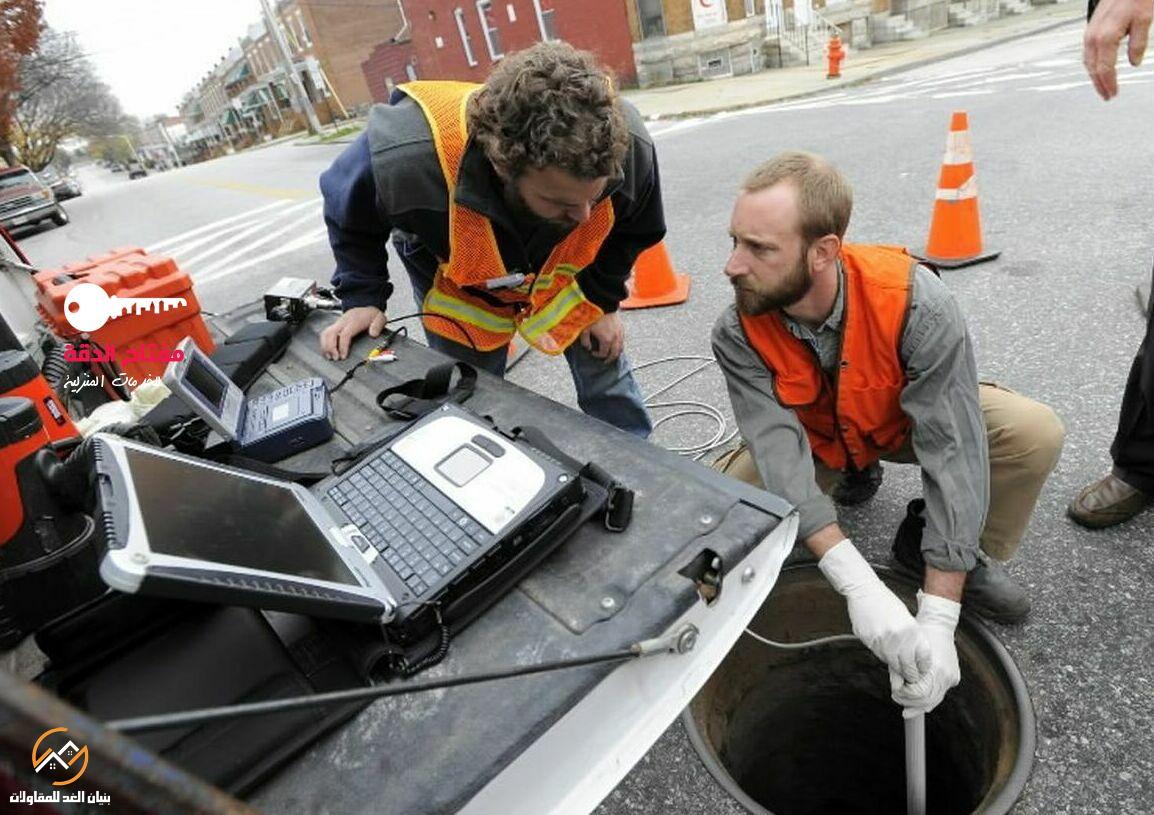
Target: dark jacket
(407, 193)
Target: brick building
(342, 36)
(462, 39)
(686, 40)
(683, 40)
(245, 98)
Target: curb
(861, 80)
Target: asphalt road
(1064, 183)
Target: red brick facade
(448, 41)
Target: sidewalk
(751, 90)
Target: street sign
(708, 13)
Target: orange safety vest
(855, 417)
(548, 309)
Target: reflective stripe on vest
(548, 309)
(855, 417)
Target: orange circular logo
(59, 758)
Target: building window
(304, 31)
(545, 22)
(411, 72)
(749, 8)
(652, 18)
(489, 26)
(512, 12)
(289, 35)
(466, 43)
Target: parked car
(25, 199)
(136, 170)
(64, 185)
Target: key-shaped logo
(88, 307)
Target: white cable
(797, 646)
(692, 408)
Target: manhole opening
(814, 732)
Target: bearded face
(763, 290)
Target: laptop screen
(206, 383)
(197, 511)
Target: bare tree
(20, 26)
(59, 96)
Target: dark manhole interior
(814, 732)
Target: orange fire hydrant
(834, 54)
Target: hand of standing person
(1111, 22)
(605, 339)
(336, 339)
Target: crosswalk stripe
(229, 261)
(246, 232)
(292, 246)
(159, 246)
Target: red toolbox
(147, 333)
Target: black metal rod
(164, 721)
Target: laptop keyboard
(417, 531)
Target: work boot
(858, 486)
(989, 591)
(1106, 502)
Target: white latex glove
(937, 618)
(880, 620)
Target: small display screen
(195, 511)
(209, 385)
(463, 465)
(280, 412)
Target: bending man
(837, 355)
(517, 206)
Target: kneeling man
(838, 355)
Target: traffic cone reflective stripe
(654, 283)
(967, 189)
(955, 230)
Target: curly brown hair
(550, 106)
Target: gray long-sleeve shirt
(941, 400)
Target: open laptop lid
(192, 529)
(206, 389)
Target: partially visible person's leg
(1025, 439)
(608, 391)
(1129, 488)
(738, 463)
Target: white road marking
(953, 94)
(246, 232)
(1061, 86)
(229, 262)
(159, 246)
(292, 246)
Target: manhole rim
(1000, 804)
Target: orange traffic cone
(955, 230)
(654, 283)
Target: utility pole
(168, 141)
(296, 89)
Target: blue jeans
(605, 390)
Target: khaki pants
(1025, 439)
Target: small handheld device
(269, 427)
